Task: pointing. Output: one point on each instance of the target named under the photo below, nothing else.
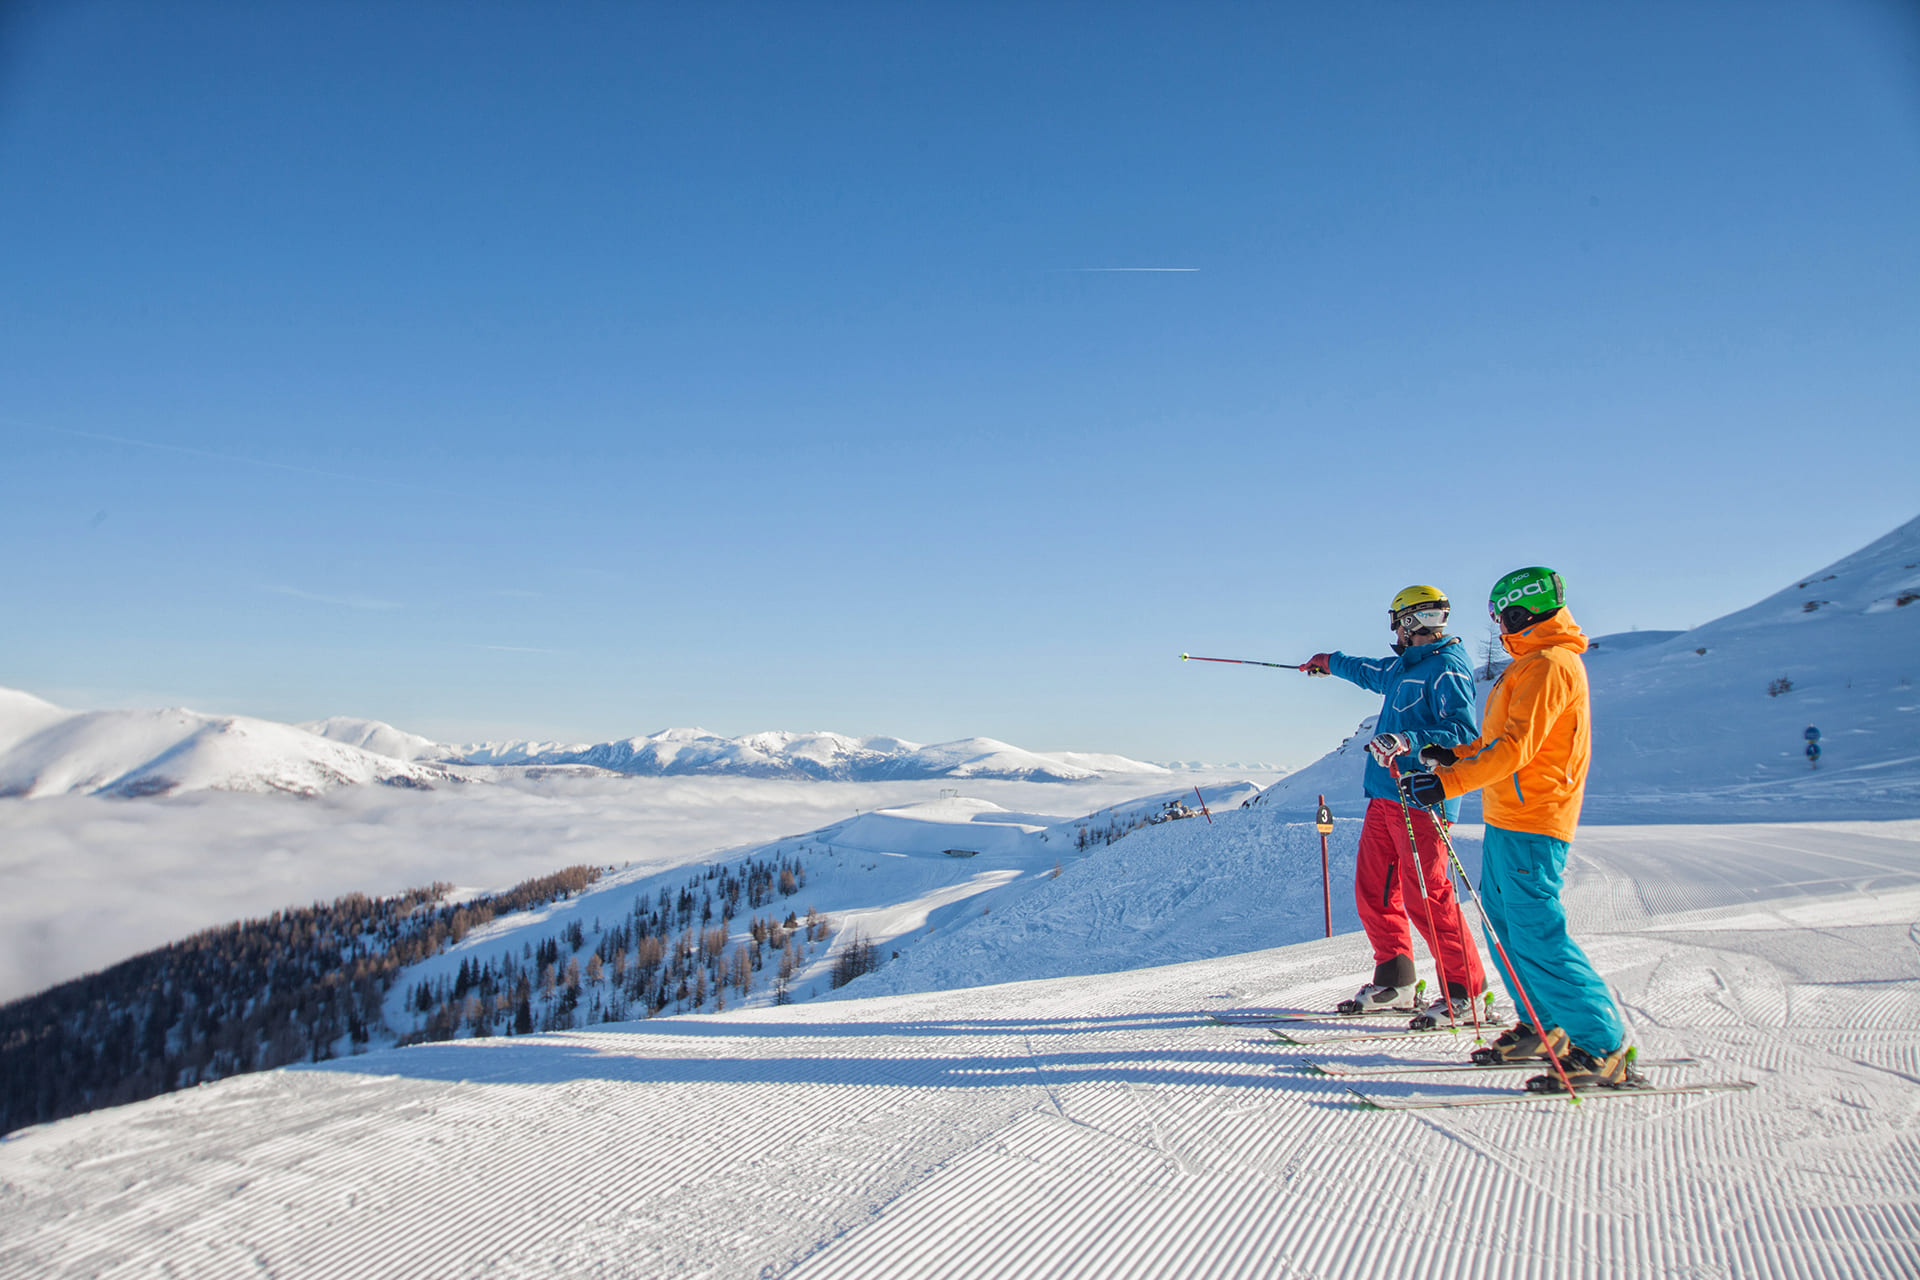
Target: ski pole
(1546, 1040)
(1460, 931)
(1420, 873)
(1459, 919)
(1245, 662)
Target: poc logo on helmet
(1520, 593)
(1536, 590)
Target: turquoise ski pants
(1520, 878)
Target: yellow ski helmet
(1425, 605)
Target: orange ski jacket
(1536, 738)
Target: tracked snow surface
(1093, 1125)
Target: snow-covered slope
(143, 753)
(1337, 775)
(1084, 1126)
(519, 751)
(1163, 893)
(376, 736)
(22, 715)
(964, 825)
(1709, 724)
(943, 874)
(678, 752)
(991, 758)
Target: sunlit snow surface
(1094, 1125)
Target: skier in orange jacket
(1530, 765)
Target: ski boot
(1393, 990)
(1378, 999)
(1585, 1071)
(1456, 1010)
(1519, 1043)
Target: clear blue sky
(581, 370)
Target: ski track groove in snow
(1098, 1125)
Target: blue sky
(577, 371)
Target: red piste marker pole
(1323, 821)
(1203, 805)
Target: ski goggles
(1427, 619)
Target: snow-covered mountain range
(1710, 724)
(48, 750)
(816, 756)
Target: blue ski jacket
(1429, 697)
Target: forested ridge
(304, 984)
(309, 984)
(674, 949)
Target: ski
(1268, 1019)
(1436, 1101)
(1432, 1068)
(1378, 1033)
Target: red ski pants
(1386, 885)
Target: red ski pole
(1533, 1019)
(1420, 873)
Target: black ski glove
(1423, 789)
(1433, 753)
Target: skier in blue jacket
(1427, 689)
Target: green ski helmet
(1524, 596)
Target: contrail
(345, 602)
(191, 452)
(230, 457)
(1126, 268)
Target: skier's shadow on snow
(815, 1057)
(699, 1026)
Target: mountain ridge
(49, 750)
